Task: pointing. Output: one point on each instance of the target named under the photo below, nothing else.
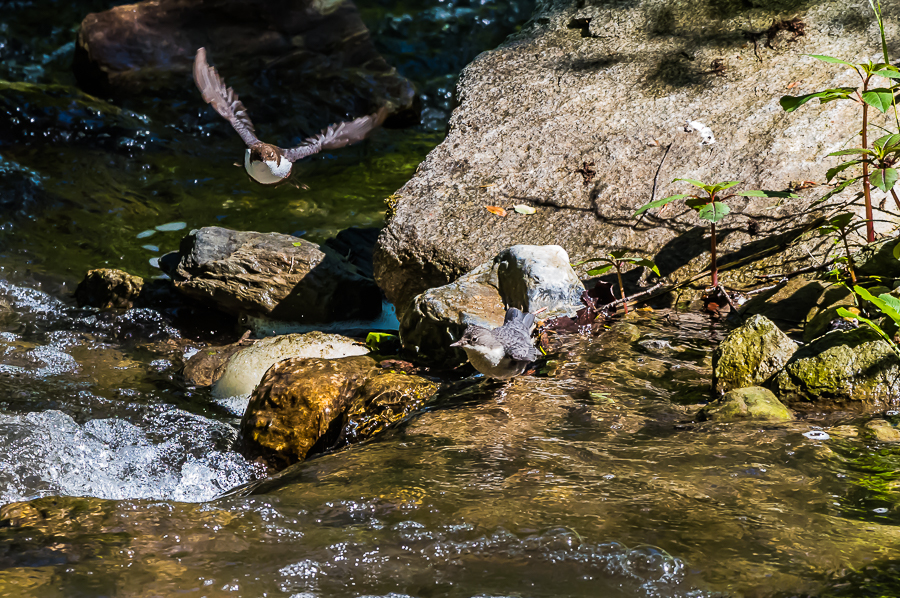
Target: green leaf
(693, 182)
(897, 251)
(832, 60)
(378, 340)
(659, 203)
(297, 244)
(884, 178)
(599, 271)
(696, 202)
(888, 74)
(833, 172)
(765, 193)
(887, 142)
(720, 186)
(880, 98)
(851, 151)
(591, 261)
(842, 220)
(838, 189)
(643, 262)
(791, 103)
(618, 254)
(890, 306)
(714, 212)
(844, 313)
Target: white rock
(246, 368)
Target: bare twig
(632, 299)
(656, 177)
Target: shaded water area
(590, 478)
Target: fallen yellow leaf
(495, 210)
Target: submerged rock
(882, 430)
(549, 119)
(523, 276)
(753, 402)
(107, 287)
(244, 370)
(751, 354)
(843, 365)
(296, 403)
(274, 275)
(151, 45)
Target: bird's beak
(457, 343)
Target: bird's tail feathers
(514, 314)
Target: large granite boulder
(529, 277)
(855, 367)
(273, 275)
(151, 46)
(751, 354)
(581, 115)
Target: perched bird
(265, 163)
(502, 352)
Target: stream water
(589, 479)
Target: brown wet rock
(151, 45)
(575, 88)
(208, 364)
(108, 288)
(383, 400)
(296, 402)
(271, 274)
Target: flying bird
(265, 163)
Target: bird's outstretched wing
(223, 99)
(337, 135)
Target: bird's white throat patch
(267, 172)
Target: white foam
(48, 453)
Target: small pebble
(816, 435)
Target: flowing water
(591, 478)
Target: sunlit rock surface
(581, 116)
(296, 402)
(532, 278)
(751, 354)
(244, 370)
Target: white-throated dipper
(265, 163)
(502, 352)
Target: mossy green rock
(751, 354)
(854, 365)
(753, 402)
